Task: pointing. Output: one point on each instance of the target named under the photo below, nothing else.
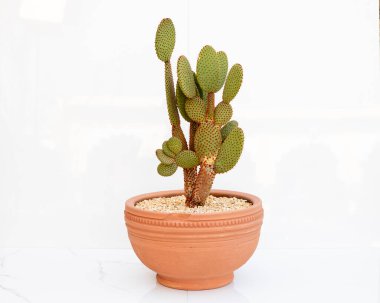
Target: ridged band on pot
(194, 251)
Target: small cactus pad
(223, 68)
(187, 159)
(167, 150)
(196, 109)
(207, 140)
(164, 158)
(166, 170)
(175, 145)
(186, 77)
(223, 113)
(165, 40)
(233, 83)
(226, 129)
(181, 99)
(208, 69)
(230, 151)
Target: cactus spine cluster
(215, 141)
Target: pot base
(198, 284)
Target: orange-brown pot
(194, 251)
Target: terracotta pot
(194, 251)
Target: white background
(82, 112)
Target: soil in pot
(176, 204)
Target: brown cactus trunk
(191, 174)
(210, 106)
(203, 183)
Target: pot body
(194, 251)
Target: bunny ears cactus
(215, 141)
(165, 40)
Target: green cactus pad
(200, 92)
(187, 159)
(196, 109)
(207, 140)
(165, 39)
(208, 69)
(223, 68)
(233, 83)
(223, 113)
(174, 144)
(230, 151)
(167, 150)
(186, 77)
(181, 100)
(226, 129)
(166, 170)
(163, 158)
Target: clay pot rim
(256, 206)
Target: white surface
(276, 275)
(82, 111)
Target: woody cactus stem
(210, 106)
(203, 183)
(215, 142)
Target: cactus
(166, 170)
(223, 68)
(230, 151)
(196, 109)
(215, 141)
(223, 113)
(227, 128)
(164, 158)
(233, 83)
(208, 69)
(186, 77)
(187, 159)
(181, 101)
(175, 145)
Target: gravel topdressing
(176, 204)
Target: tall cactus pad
(186, 77)
(181, 100)
(166, 170)
(167, 150)
(207, 140)
(208, 69)
(174, 145)
(223, 113)
(187, 159)
(165, 40)
(226, 129)
(230, 151)
(196, 109)
(164, 158)
(233, 83)
(223, 68)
